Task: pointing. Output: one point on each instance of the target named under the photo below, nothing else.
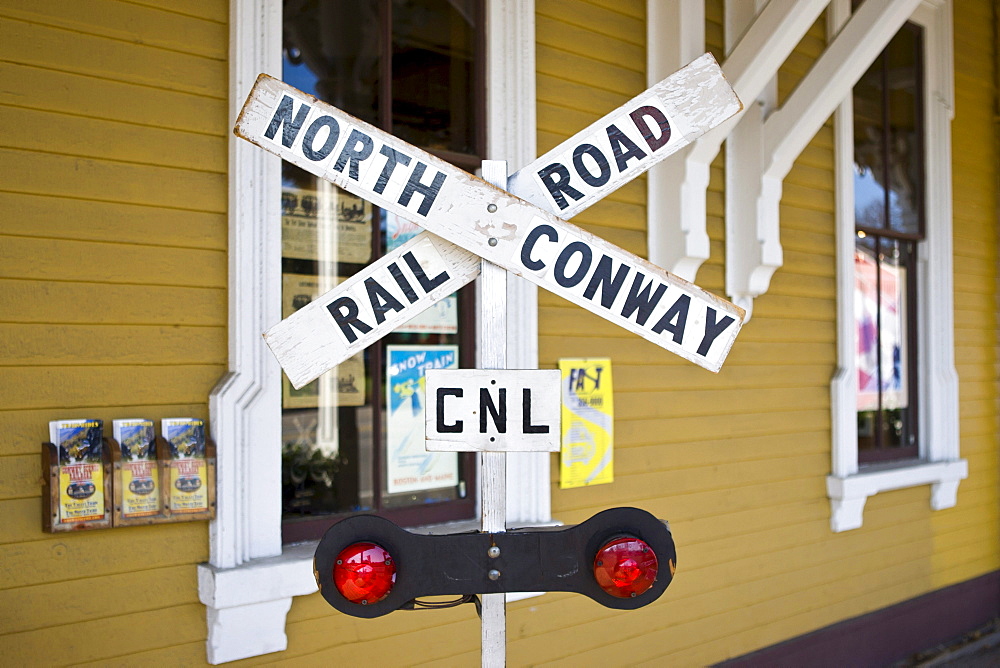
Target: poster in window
(409, 467)
(881, 338)
(588, 413)
(326, 224)
(442, 317)
(297, 290)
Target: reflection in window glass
(353, 439)
(888, 211)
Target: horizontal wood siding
(112, 300)
(737, 462)
(113, 303)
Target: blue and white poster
(410, 467)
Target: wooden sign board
(492, 410)
(369, 305)
(508, 231)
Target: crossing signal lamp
(366, 566)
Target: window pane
(906, 166)
(353, 439)
(869, 149)
(884, 341)
(333, 49)
(433, 99)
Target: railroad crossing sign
(468, 221)
(517, 230)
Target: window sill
(848, 494)
(247, 604)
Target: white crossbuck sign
(466, 219)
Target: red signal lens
(364, 573)
(625, 567)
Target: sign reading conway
(476, 220)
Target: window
(888, 216)
(352, 440)
(895, 394)
(251, 578)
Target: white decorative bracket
(753, 248)
(678, 238)
(848, 494)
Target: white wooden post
(492, 321)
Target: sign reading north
(472, 410)
(495, 225)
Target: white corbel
(677, 187)
(675, 33)
(787, 131)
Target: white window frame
(250, 580)
(939, 464)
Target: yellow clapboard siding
(68, 135)
(806, 220)
(595, 18)
(212, 10)
(123, 594)
(736, 452)
(701, 506)
(85, 261)
(811, 176)
(588, 71)
(127, 23)
(617, 216)
(70, 51)
(72, 387)
(49, 646)
(24, 430)
(570, 321)
(97, 345)
(65, 557)
(735, 424)
(52, 90)
(587, 43)
(56, 302)
(67, 176)
(633, 8)
(186, 654)
(88, 220)
(560, 92)
(816, 242)
(21, 476)
(806, 197)
(686, 402)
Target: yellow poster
(188, 491)
(81, 492)
(588, 414)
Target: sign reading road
(495, 225)
(493, 410)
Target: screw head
(494, 574)
(493, 552)
(492, 208)
(493, 241)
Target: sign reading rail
(497, 226)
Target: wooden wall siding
(738, 461)
(112, 298)
(112, 302)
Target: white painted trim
(675, 189)
(250, 580)
(678, 240)
(849, 486)
(753, 248)
(848, 495)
